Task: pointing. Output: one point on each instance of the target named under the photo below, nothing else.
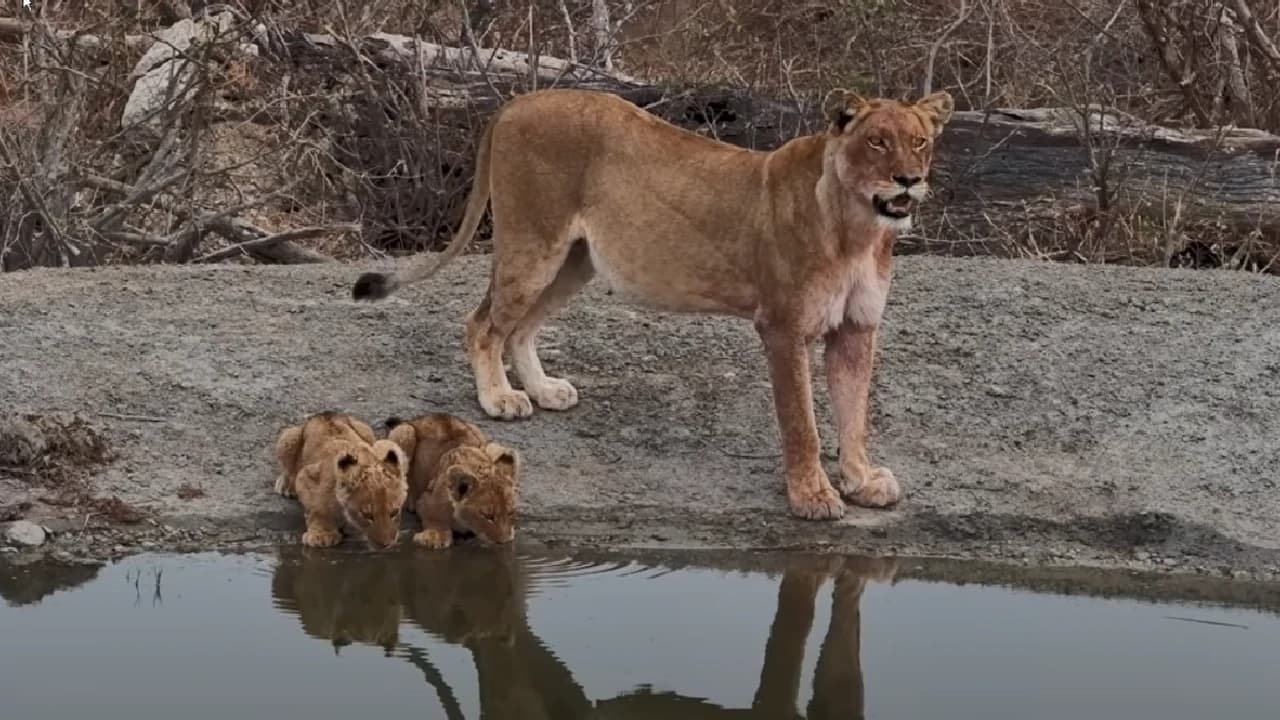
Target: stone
(24, 533)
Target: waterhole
(478, 633)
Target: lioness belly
(653, 272)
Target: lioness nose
(905, 181)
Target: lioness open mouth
(897, 207)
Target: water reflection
(29, 584)
(477, 598)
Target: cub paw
(434, 539)
(508, 405)
(874, 488)
(554, 394)
(811, 497)
(284, 488)
(321, 538)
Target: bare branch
(966, 9)
(248, 247)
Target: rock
(21, 442)
(25, 534)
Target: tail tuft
(373, 286)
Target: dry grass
(361, 152)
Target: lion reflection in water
(477, 598)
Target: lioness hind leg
(516, 285)
(548, 392)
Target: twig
(965, 10)
(134, 418)
(270, 240)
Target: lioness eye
(393, 514)
(876, 143)
(920, 143)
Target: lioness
(458, 479)
(799, 239)
(342, 475)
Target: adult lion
(799, 239)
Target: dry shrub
(369, 144)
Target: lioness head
(882, 150)
(371, 487)
(482, 487)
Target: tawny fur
(344, 477)
(799, 240)
(459, 479)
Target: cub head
(881, 150)
(482, 483)
(371, 485)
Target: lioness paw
(875, 489)
(554, 394)
(321, 538)
(508, 405)
(813, 498)
(434, 539)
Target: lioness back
(660, 208)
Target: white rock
(25, 534)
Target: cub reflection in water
(353, 600)
(477, 598)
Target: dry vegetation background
(290, 131)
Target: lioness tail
(375, 286)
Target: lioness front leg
(850, 352)
(809, 491)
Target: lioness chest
(852, 291)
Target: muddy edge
(1038, 414)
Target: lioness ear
(459, 482)
(841, 107)
(939, 106)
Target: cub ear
(405, 436)
(392, 454)
(841, 107)
(506, 459)
(346, 461)
(460, 482)
(938, 106)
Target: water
(471, 633)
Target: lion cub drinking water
(343, 476)
(458, 479)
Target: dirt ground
(1035, 413)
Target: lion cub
(458, 479)
(343, 476)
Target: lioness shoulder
(344, 477)
(459, 479)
